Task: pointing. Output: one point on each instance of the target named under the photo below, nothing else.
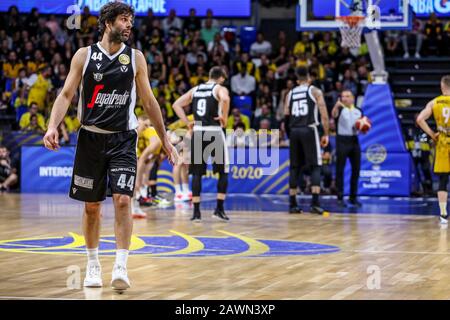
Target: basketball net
(351, 29)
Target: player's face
(3, 153)
(121, 29)
(143, 124)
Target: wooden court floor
(266, 255)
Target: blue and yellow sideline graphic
(175, 245)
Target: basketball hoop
(351, 30)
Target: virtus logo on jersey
(110, 99)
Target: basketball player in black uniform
(302, 105)
(210, 106)
(108, 74)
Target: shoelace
(93, 270)
(120, 269)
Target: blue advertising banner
(386, 174)
(385, 161)
(46, 171)
(253, 171)
(385, 133)
(424, 8)
(382, 174)
(221, 8)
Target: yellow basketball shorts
(442, 157)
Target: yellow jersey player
(148, 149)
(178, 130)
(440, 109)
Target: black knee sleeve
(222, 184)
(443, 182)
(196, 185)
(294, 173)
(315, 176)
(154, 171)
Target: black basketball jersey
(108, 89)
(302, 106)
(205, 106)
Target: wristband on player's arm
(287, 128)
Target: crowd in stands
(428, 37)
(36, 50)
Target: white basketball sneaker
(120, 279)
(93, 277)
(187, 196)
(444, 219)
(138, 213)
(178, 197)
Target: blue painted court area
(370, 205)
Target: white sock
(177, 189)
(143, 192)
(443, 207)
(121, 257)
(186, 187)
(92, 255)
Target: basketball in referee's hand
(363, 124)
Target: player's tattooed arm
(318, 95)
(152, 107)
(63, 100)
(182, 102)
(287, 99)
(287, 113)
(422, 118)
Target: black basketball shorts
(101, 157)
(304, 147)
(208, 142)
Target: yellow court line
(277, 182)
(255, 247)
(194, 245)
(262, 183)
(20, 245)
(77, 241)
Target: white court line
(346, 292)
(34, 298)
(397, 252)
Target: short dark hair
(302, 73)
(217, 72)
(446, 81)
(349, 91)
(109, 13)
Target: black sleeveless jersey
(205, 106)
(303, 108)
(108, 89)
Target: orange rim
(352, 21)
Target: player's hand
(51, 139)
(435, 136)
(172, 153)
(324, 141)
(339, 103)
(221, 120)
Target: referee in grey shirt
(345, 114)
